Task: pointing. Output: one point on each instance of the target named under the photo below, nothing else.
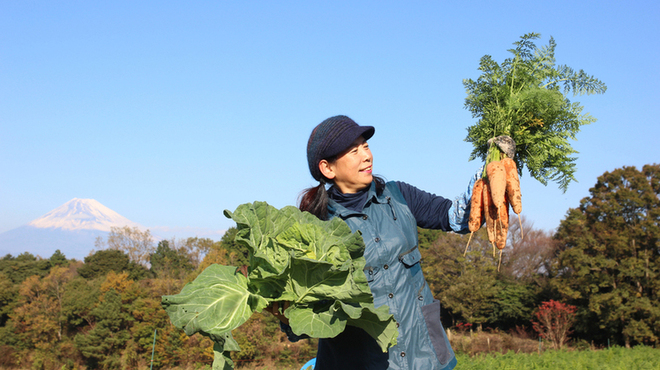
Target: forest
(596, 275)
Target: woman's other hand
(274, 309)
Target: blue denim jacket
(395, 277)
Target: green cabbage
(316, 265)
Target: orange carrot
(512, 185)
(513, 189)
(497, 186)
(489, 211)
(502, 226)
(501, 230)
(497, 182)
(476, 219)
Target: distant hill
(44, 242)
(72, 228)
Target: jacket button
(391, 295)
(377, 239)
(386, 267)
(397, 324)
(365, 217)
(403, 354)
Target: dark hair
(315, 201)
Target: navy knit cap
(331, 137)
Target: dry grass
(472, 343)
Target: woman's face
(352, 170)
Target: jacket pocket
(437, 334)
(411, 260)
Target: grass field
(615, 358)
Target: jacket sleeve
(431, 211)
(459, 212)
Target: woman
(387, 214)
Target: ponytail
(315, 201)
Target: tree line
(105, 312)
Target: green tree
(609, 260)
(524, 98)
(104, 261)
(8, 338)
(167, 262)
(426, 237)
(102, 345)
(80, 298)
(513, 304)
(149, 316)
(58, 259)
(238, 254)
(466, 285)
(23, 266)
(8, 298)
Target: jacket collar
(336, 209)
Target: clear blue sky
(171, 112)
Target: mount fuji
(72, 228)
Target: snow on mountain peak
(82, 214)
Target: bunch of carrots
(492, 195)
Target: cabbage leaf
(315, 265)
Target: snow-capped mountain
(82, 214)
(72, 228)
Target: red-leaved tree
(555, 320)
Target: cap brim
(350, 135)
(368, 132)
